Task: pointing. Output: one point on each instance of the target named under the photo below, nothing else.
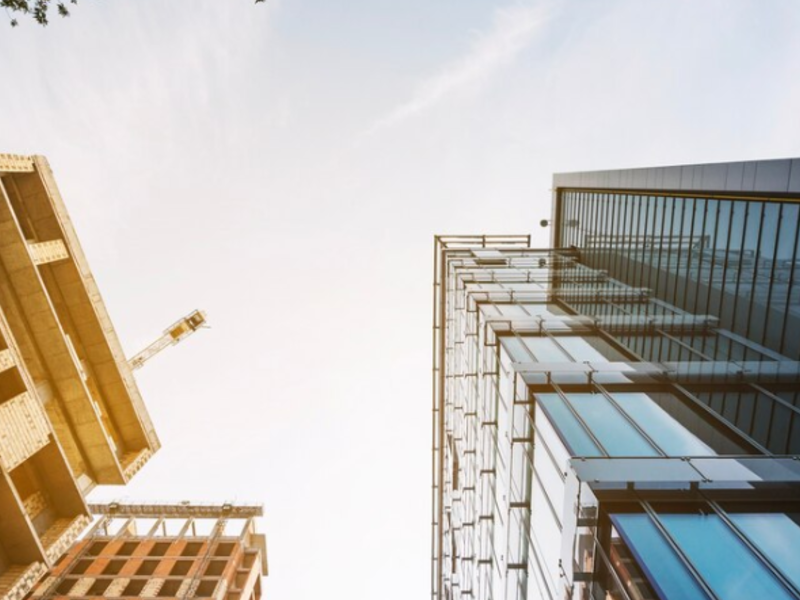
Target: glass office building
(616, 416)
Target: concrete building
(71, 416)
(615, 417)
(163, 551)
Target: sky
(284, 166)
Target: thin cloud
(513, 29)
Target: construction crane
(177, 332)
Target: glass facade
(732, 258)
(616, 417)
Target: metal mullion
(790, 284)
(607, 220)
(681, 234)
(602, 217)
(777, 399)
(676, 267)
(648, 248)
(661, 245)
(668, 267)
(587, 212)
(622, 223)
(569, 216)
(552, 338)
(691, 349)
(767, 312)
(691, 247)
(629, 419)
(592, 224)
(719, 419)
(711, 268)
(612, 249)
(598, 222)
(770, 435)
(528, 351)
(606, 335)
(677, 549)
(617, 231)
(722, 514)
(575, 414)
(700, 257)
(587, 218)
(564, 210)
(745, 223)
(636, 205)
(731, 215)
(739, 403)
(658, 265)
(749, 344)
(648, 200)
(575, 208)
(755, 273)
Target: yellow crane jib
(175, 333)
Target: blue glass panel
(722, 559)
(672, 437)
(615, 433)
(777, 536)
(665, 571)
(569, 428)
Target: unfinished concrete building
(71, 416)
(163, 551)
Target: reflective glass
(722, 559)
(515, 348)
(618, 436)
(777, 536)
(569, 428)
(672, 437)
(510, 310)
(580, 349)
(664, 569)
(544, 350)
(543, 310)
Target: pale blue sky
(284, 167)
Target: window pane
(543, 310)
(724, 562)
(515, 349)
(777, 536)
(667, 574)
(569, 428)
(581, 350)
(615, 433)
(672, 437)
(544, 349)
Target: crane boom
(177, 332)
